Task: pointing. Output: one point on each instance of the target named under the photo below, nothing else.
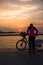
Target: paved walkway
(21, 58)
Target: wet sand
(13, 57)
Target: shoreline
(15, 50)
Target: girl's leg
(29, 43)
(33, 43)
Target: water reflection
(10, 41)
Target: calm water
(10, 41)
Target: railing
(12, 34)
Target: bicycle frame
(24, 38)
(25, 41)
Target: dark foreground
(21, 58)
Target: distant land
(10, 33)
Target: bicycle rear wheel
(39, 48)
(39, 45)
(21, 44)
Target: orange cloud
(18, 17)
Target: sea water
(10, 41)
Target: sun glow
(19, 15)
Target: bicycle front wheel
(21, 45)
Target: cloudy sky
(16, 15)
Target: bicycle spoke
(20, 45)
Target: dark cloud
(21, 2)
(41, 0)
(2, 1)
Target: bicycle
(21, 44)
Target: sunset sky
(16, 15)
